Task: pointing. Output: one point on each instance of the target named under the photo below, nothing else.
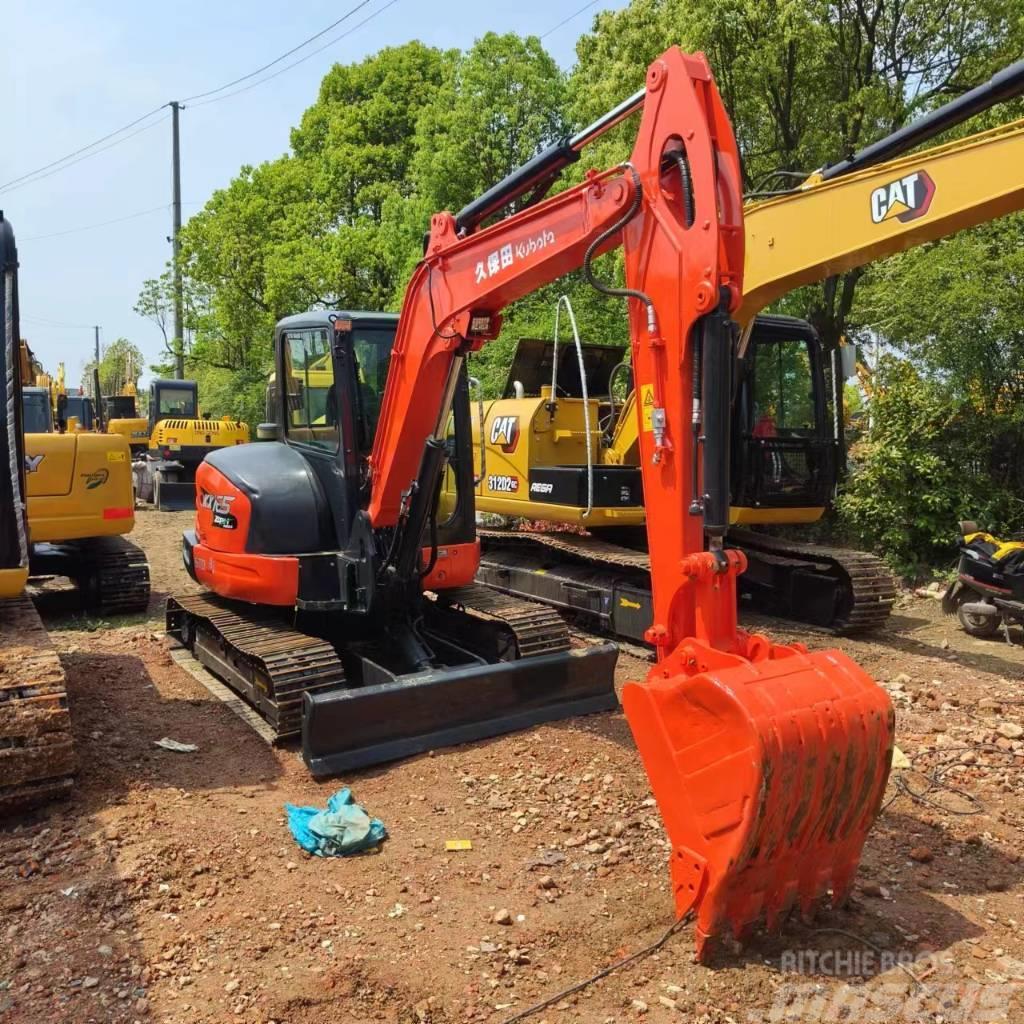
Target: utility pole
(96, 334)
(179, 329)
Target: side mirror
(267, 432)
(848, 361)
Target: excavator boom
(768, 763)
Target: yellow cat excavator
(560, 448)
(36, 750)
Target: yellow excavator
(560, 448)
(37, 758)
(121, 415)
(78, 484)
(179, 439)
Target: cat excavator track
(835, 589)
(37, 757)
(838, 589)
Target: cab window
(176, 402)
(783, 390)
(372, 348)
(36, 413)
(312, 397)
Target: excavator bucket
(769, 775)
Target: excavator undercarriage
(606, 586)
(356, 704)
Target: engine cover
(261, 499)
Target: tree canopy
(338, 220)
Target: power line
(84, 156)
(565, 21)
(68, 156)
(277, 60)
(301, 60)
(92, 227)
(56, 324)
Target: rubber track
(537, 628)
(281, 663)
(37, 758)
(873, 587)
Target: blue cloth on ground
(343, 828)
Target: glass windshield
(312, 394)
(783, 390)
(36, 412)
(120, 407)
(372, 347)
(80, 407)
(312, 418)
(176, 402)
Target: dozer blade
(344, 729)
(769, 775)
(175, 496)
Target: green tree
(121, 364)
(805, 81)
(928, 461)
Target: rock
(639, 1005)
(871, 889)
(921, 854)
(670, 1004)
(546, 882)
(105, 950)
(1011, 730)
(944, 644)
(232, 985)
(989, 704)
(503, 916)
(90, 982)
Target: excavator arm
(878, 211)
(768, 764)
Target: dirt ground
(168, 887)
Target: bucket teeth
(769, 776)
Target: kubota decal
(904, 199)
(505, 432)
(32, 462)
(503, 484)
(97, 478)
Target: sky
(74, 71)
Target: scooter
(988, 591)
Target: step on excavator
(768, 762)
(565, 452)
(37, 759)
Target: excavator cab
(120, 407)
(784, 450)
(36, 412)
(173, 399)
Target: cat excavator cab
(572, 456)
(768, 762)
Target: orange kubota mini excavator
(768, 762)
